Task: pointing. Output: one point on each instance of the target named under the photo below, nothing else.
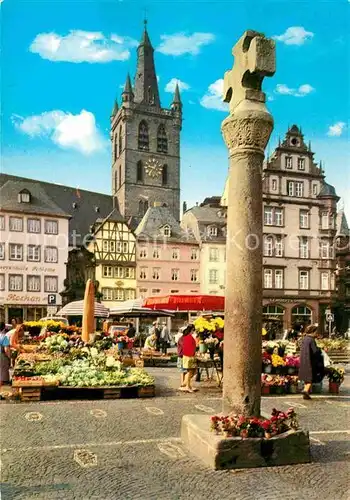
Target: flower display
(266, 358)
(333, 344)
(247, 427)
(335, 374)
(277, 360)
(292, 361)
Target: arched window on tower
(162, 140)
(139, 171)
(115, 147)
(165, 175)
(120, 141)
(120, 175)
(143, 141)
(116, 185)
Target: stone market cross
(254, 59)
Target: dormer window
(289, 162)
(212, 231)
(167, 231)
(301, 163)
(294, 141)
(24, 196)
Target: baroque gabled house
(342, 305)
(145, 143)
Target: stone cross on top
(254, 59)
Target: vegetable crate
(31, 393)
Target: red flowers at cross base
(244, 427)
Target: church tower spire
(146, 84)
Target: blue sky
(64, 63)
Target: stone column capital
(248, 128)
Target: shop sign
(284, 301)
(23, 299)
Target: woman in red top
(189, 361)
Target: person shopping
(5, 356)
(311, 361)
(189, 362)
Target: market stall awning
(76, 308)
(134, 309)
(186, 302)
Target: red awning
(186, 302)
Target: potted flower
(292, 363)
(266, 362)
(292, 384)
(211, 343)
(336, 378)
(278, 363)
(279, 384)
(266, 381)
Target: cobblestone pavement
(130, 450)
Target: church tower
(145, 142)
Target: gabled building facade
(145, 143)
(113, 245)
(342, 305)
(207, 223)
(168, 258)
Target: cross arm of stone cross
(254, 59)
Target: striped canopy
(76, 308)
(134, 309)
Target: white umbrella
(76, 308)
(133, 308)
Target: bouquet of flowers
(266, 358)
(292, 361)
(277, 360)
(211, 342)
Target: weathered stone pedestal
(218, 452)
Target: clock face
(153, 168)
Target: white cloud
(78, 132)
(336, 130)
(170, 86)
(212, 99)
(82, 46)
(295, 35)
(181, 43)
(301, 91)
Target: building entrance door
(16, 313)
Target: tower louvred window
(162, 140)
(143, 140)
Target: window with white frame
(2, 222)
(125, 246)
(16, 224)
(33, 283)
(130, 294)
(143, 292)
(301, 163)
(268, 246)
(289, 162)
(119, 294)
(304, 219)
(112, 246)
(33, 253)
(325, 220)
(167, 231)
(278, 216)
(2, 251)
(51, 254)
(15, 283)
(51, 227)
(212, 231)
(155, 291)
(129, 272)
(213, 276)
(194, 275)
(33, 225)
(107, 271)
(16, 251)
(143, 252)
(314, 189)
(174, 291)
(303, 279)
(107, 293)
(213, 254)
(2, 282)
(155, 273)
(325, 280)
(268, 216)
(274, 185)
(51, 284)
(303, 248)
(267, 278)
(156, 253)
(279, 278)
(118, 272)
(299, 189)
(143, 273)
(175, 274)
(105, 246)
(175, 253)
(194, 253)
(278, 246)
(324, 249)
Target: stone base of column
(218, 452)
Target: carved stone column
(246, 132)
